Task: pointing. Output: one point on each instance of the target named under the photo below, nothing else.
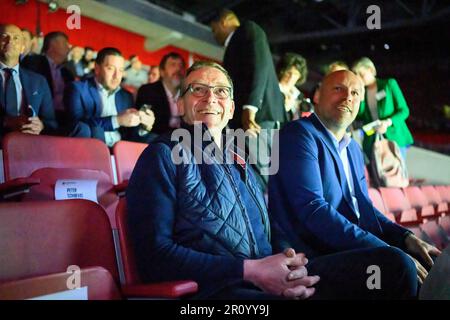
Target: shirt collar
(4, 66)
(169, 93)
(340, 145)
(228, 39)
(101, 88)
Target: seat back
(444, 193)
(419, 201)
(378, 202)
(397, 203)
(24, 153)
(127, 253)
(126, 154)
(435, 199)
(51, 158)
(46, 237)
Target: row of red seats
(44, 241)
(32, 165)
(424, 210)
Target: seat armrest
(121, 188)
(169, 289)
(14, 187)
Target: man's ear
(232, 109)
(316, 96)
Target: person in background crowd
(100, 108)
(50, 64)
(384, 101)
(259, 101)
(28, 41)
(153, 74)
(162, 95)
(25, 99)
(136, 76)
(292, 71)
(75, 63)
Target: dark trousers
(345, 275)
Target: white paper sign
(75, 294)
(76, 189)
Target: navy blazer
(84, 105)
(310, 201)
(36, 93)
(155, 95)
(39, 64)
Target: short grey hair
(206, 64)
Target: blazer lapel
(93, 91)
(337, 161)
(27, 90)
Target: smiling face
(338, 101)
(210, 110)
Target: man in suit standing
(259, 101)
(163, 94)
(99, 108)
(25, 100)
(319, 197)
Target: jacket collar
(326, 138)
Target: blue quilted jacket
(188, 220)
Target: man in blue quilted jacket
(195, 212)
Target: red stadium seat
(39, 161)
(444, 193)
(132, 285)
(40, 240)
(126, 154)
(397, 203)
(419, 201)
(378, 202)
(435, 199)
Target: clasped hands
(283, 274)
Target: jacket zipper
(246, 219)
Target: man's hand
(14, 123)
(248, 122)
(304, 288)
(129, 118)
(420, 248)
(281, 275)
(147, 119)
(422, 273)
(34, 126)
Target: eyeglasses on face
(200, 90)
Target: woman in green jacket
(384, 101)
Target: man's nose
(210, 95)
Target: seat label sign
(76, 189)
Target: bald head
(11, 44)
(339, 97)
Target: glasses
(200, 90)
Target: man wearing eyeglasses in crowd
(207, 220)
